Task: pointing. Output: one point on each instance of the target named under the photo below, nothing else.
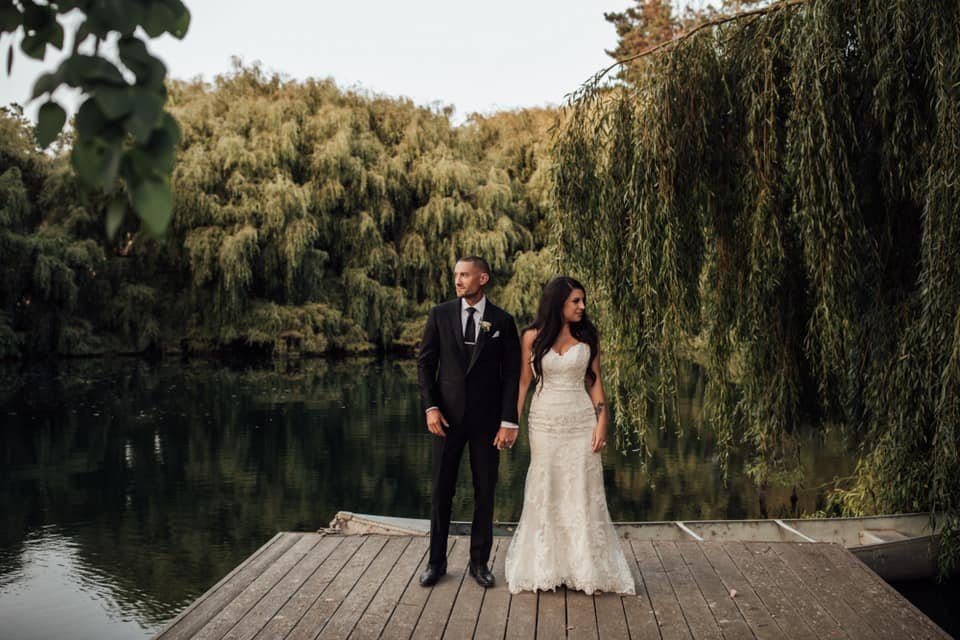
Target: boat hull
(896, 548)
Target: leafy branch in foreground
(122, 129)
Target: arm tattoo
(599, 408)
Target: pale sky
(478, 57)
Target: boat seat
(876, 536)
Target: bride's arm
(599, 400)
(526, 371)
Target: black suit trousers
(484, 463)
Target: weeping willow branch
(777, 198)
(784, 4)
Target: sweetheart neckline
(567, 351)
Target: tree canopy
(299, 207)
(778, 195)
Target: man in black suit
(468, 369)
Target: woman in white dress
(565, 536)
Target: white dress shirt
(477, 318)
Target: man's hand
(434, 421)
(505, 438)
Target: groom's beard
(469, 294)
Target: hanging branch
(777, 210)
(786, 4)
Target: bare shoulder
(529, 336)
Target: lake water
(129, 488)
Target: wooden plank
(466, 607)
(492, 621)
(522, 616)
(838, 571)
(408, 610)
(695, 609)
(267, 608)
(638, 609)
(795, 590)
(893, 598)
(864, 592)
(403, 574)
(320, 612)
(551, 614)
(436, 612)
(581, 616)
(198, 616)
(746, 599)
(769, 592)
(311, 588)
(343, 621)
(206, 594)
(237, 608)
(725, 611)
(611, 620)
(667, 610)
(824, 590)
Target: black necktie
(470, 332)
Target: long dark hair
(550, 320)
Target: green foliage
(300, 210)
(121, 128)
(782, 190)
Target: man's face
(468, 279)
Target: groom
(468, 369)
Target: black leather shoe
(482, 575)
(432, 573)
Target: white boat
(896, 547)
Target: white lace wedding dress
(565, 536)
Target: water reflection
(129, 488)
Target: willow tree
(777, 195)
(302, 212)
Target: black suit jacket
(480, 391)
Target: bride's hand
(599, 439)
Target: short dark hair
(482, 264)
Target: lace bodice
(566, 372)
(561, 403)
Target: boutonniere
(485, 326)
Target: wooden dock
(317, 585)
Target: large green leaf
(182, 21)
(115, 213)
(50, 120)
(46, 83)
(90, 120)
(54, 35)
(170, 125)
(153, 202)
(36, 17)
(10, 16)
(34, 46)
(133, 53)
(96, 160)
(139, 163)
(114, 102)
(147, 107)
(160, 148)
(159, 19)
(150, 71)
(82, 71)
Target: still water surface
(128, 488)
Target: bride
(565, 536)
